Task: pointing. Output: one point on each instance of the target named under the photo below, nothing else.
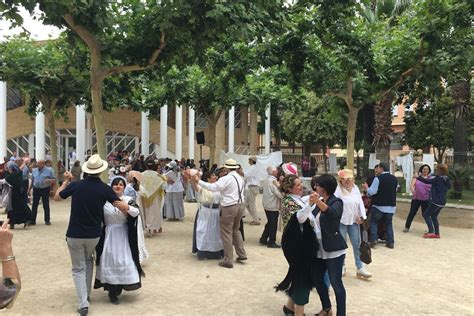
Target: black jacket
(330, 219)
(300, 248)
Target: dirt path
(418, 277)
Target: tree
(130, 35)
(314, 120)
(431, 124)
(47, 73)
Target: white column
(88, 143)
(231, 129)
(31, 144)
(137, 145)
(3, 119)
(191, 122)
(164, 131)
(39, 136)
(80, 133)
(145, 149)
(268, 131)
(179, 133)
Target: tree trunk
(212, 120)
(49, 107)
(253, 130)
(367, 128)
(351, 131)
(383, 128)
(325, 158)
(461, 97)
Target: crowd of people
(112, 220)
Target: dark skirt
(19, 212)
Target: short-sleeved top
(39, 176)
(87, 206)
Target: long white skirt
(208, 234)
(152, 216)
(116, 262)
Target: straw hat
(231, 164)
(94, 165)
(345, 174)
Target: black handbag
(365, 251)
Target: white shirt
(353, 205)
(227, 186)
(251, 176)
(306, 213)
(177, 186)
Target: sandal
(325, 312)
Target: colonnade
(83, 131)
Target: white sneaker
(363, 273)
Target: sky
(37, 30)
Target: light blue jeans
(354, 235)
(81, 251)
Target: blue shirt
(374, 188)
(26, 173)
(38, 177)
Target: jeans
(42, 194)
(377, 216)
(431, 218)
(414, 206)
(81, 250)
(269, 233)
(354, 235)
(334, 268)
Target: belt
(210, 205)
(253, 186)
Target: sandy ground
(418, 277)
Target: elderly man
(41, 178)
(253, 181)
(383, 191)
(231, 188)
(271, 200)
(87, 211)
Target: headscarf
(118, 177)
(13, 166)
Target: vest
(387, 192)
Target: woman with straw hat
(352, 216)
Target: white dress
(208, 234)
(116, 262)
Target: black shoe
(373, 244)
(113, 298)
(26, 225)
(287, 311)
(391, 246)
(83, 311)
(47, 223)
(32, 224)
(273, 246)
(263, 242)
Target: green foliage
(459, 176)
(314, 120)
(46, 71)
(430, 125)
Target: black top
(330, 220)
(87, 206)
(387, 191)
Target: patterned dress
(288, 208)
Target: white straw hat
(231, 164)
(94, 165)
